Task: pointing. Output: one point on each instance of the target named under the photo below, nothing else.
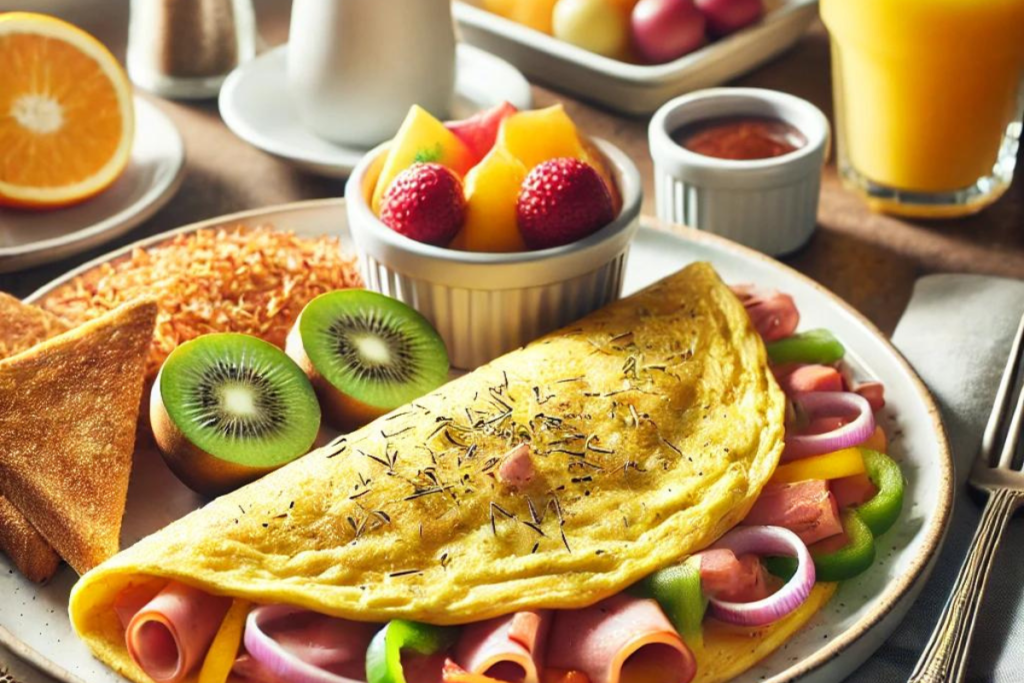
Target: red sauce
(740, 137)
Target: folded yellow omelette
(653, 424)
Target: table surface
(868, 259)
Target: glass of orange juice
(929, 96)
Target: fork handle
(945, 657)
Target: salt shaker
(184, 49)
(355, 67)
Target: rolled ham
(619, 639)
(509, 648)
(169, 636)
(133, 598)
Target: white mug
(355, 67)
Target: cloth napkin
(957, 333)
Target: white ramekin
(483, 304)
(768, 204)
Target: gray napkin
(957, 333)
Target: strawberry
(481, 130)
(561, 201)
(425, 202)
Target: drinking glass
(929, 96)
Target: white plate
(153, 175)
(635, 88)
(255, 106)
(34, 623)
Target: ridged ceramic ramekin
(768, 204)
(484, 304)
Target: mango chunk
(492, 190)
(537, 136)
(422, 138)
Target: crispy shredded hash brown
(238, 279)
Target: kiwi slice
(366, 354)
(228, 408)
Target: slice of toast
(68, 410)
(21, 327)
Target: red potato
(728, 16)
(664, 30)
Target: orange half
(66, 114)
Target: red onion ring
(767, 540)
(276, 659)
(831, 403)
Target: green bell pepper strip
(812, 346)
(881, 512)
(384, 656)
(852, 559)
(677, 590)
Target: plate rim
(111, 227)
(894, 593)
(240, 125)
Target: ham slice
(873, 393)
(854, 490)
(800, 379)
(170, 635)
(516, 469)
(730, 578)
(620, 639)
(509, 648)
(773, 313)
(338, 646)
(807, 508)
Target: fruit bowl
(486, 304)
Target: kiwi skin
(197, 469)
(343, 412)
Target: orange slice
(66, 114)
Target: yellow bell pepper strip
(849, 561)
(224, 649)
(881, 512)
(677, 590)
(384, 656)
(813, 346)
(834, 465)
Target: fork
(945, 657)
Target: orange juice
(927, 94)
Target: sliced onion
(276, 659)
(767, 540)
(831, 403)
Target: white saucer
(254, 104)
(153, 175)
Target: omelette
(551, 479)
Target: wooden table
(868, 259)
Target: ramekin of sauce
(743, 163)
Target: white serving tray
(634, 88)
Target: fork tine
(1003, 396)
